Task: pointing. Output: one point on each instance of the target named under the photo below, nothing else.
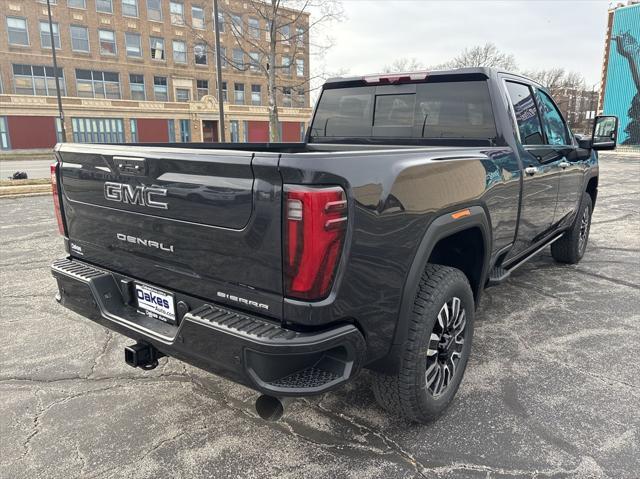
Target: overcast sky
(539, 33)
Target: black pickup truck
(289, 267)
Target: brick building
(139, 70)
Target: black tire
(571, 246)
(407, 393)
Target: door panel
(541, 171)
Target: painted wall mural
(622, 91)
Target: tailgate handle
(129, 165)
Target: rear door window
(526, 113)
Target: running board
(499, 274)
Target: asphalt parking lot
(552, 389)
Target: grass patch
(35, 181)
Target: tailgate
(203, 222)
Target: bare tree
(557, 79)
(487, 55)
(273, 41)
(404, 64)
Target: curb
(25, 190)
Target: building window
(299, 67)
(79, 39)
(235, 137)
(45, 35)
(202, 88)
(98, 84)
(254, 27)
(286, 96)
(256, 95)
(130, 8)
(185, 131)
(300, 97)
(183, 94)
(179, 52)
(133, 44)
(157, 48)
(4, 134)
(98, 130)
(154, 10)
(36, 80)
(236, 24)
(221, 22)
(238, 93)
(254, 61)
(225, 97)
(17, 30)
(223, 57)
(171, 127)
(160, 90)
(136, 84)
(238, 58)
(285, 31)
(133, 123)
(300, 36)
(197, 17)
(286, 65)
(200, 53)
(77, 4)
(104, 6)
(107, 42)
(245, 131)
(176, 11)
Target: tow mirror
(605, 131)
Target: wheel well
(465, 251)
(592, 189)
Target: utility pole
(216, 27)
(63, 131)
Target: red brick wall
(291, 131)
(152, 130)
(26, 132)
(258, 131)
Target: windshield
(424, 111)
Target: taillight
(315, 226)
(56, 197)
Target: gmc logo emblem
(135, 195)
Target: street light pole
(63, 130)
(216, 27)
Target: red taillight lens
(56, 197)
(315, 226)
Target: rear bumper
(247, 349)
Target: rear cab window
(436, 112)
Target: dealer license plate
(156, 303)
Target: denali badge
(145, 242)
(237, 299)
(135, 195)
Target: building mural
(622, 80)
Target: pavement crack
(103, 350)
(619, 282)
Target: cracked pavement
(552, 388)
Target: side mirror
(605, 131)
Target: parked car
(367, 246)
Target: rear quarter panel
(394, 196)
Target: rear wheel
(435, 353)
(571, 246)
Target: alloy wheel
(584, 230)
(445, 346)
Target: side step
(498, 275)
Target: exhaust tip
(269, 408)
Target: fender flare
(441, 227)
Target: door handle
(564, 164)
(531, 170)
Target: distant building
(620, 86)
(578, 107)
(140, 70)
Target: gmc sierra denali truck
(290, 267)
